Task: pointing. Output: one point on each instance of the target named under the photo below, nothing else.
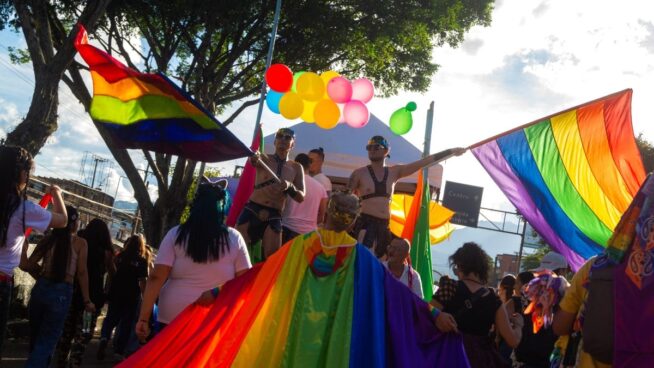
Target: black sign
(465, 200)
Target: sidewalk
(15, 353)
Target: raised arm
(59, 217)
(408, 169)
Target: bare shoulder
(79, 242)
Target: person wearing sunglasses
(261, 218)
(375, 184)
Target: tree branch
(161, 181)
(243, 106)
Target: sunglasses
(374, 147)
(286, 137)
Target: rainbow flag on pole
(148, 111)
(572, 174)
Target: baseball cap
(378, 139)
(550, 262)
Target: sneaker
(101, 349)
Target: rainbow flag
(148, 111)
(307, 306)
(571, 175)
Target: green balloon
(401, 121)
(411, 106)
(295, 78)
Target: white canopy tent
(345, 150)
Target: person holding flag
(375, 185)
(261, 218)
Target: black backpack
(598, 328)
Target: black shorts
(288, 234)
(259, 218)
(377, 232)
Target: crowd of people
(532, 320)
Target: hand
(205, 299)
(458, 151)
(53, 190)
(284, 185)
(142, 330)
(254, 159)
(446, 323)
(89, 307)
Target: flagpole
(271, 46)
(546, 118)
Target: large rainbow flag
(308, 305)
(148, 111)
(571, 175)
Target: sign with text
(465, 200)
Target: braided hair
(13, 161)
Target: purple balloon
(339, 90)
(356, 114)
(363, 90)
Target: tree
(646, 152)
(532, 260)
(50, 48)
(216, 51)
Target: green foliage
(532, 260)
(18, 56)
(646, 152)
(209, 173)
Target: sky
(535, 59)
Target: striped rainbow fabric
(307, 306)
(571, 175)
(148, 111)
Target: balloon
(279, 77)
(272, 100)
(326, 114)
(290, 105)
(339, 90)
(326, 77)
(401, 120)
(307, 114)
(310, 86)
(362, 90)
(295, 77)
(356, 114)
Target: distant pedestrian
(16, 215)
(63, 257)
(125, 294)
(397, 265)
(317, 156)
(72, 344)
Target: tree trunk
(165, 214)
(41, 119)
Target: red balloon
(279, 78)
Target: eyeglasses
(374, 147)
(286, 137)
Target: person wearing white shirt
(398, 253)
(17, 214)
(317, 156)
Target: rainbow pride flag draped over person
(308, 305)
(572, 174)
(148, 111)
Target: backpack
(598, 325)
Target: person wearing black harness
(261, 217)
(375, 183)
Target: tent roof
(345, 148)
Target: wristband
(215, 292)
(291, 190)
(434, 312)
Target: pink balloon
(339, 90)
(356, 114)
(362, 90)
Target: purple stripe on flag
(490, 156)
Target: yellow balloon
(310, 86)
(290, 105)
(326, 77)
(307, 114)
(326, 114)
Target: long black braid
(13, 161)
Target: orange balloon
(310, 87)
(326, 114)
